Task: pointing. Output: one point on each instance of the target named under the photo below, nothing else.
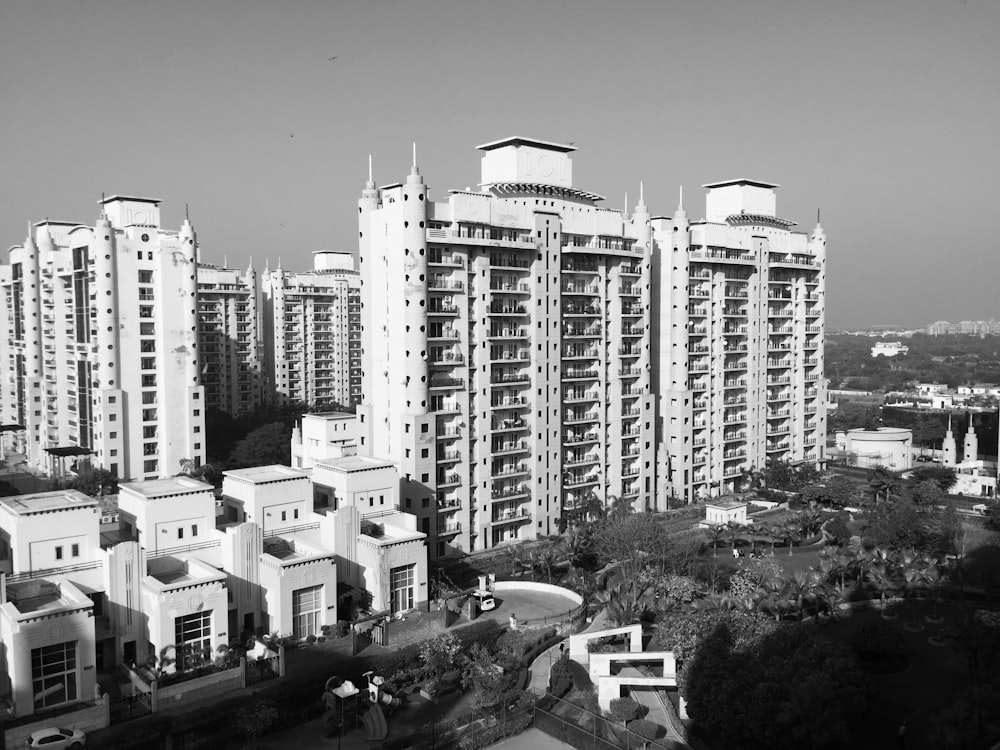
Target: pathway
(650, 701)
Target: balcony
(581, 289)
(447, 383)
(508, 333)
(502, 471)
(512, 516)
(577, 417)
(579, 396)
(508, 447)
(508, 425)
(453, 479)
(448, 457)
(571, 482)
(584, 460)
(444, 284)
(442, 309)
(578, 352)
(571, 331)
(574, 438)
(506, 308)
(509, 491)
(509, 402)
(446, 359)
(508, 354)
(574, 373)
(510, 378)
(510, 286)
(449, 529)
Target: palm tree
(773, 597)
(716, 532)
(880, 575)
(884, 483)
(802, 587)
(790, 532)
(734, 528)
(847, 561)
(625, 599)
(933, 578)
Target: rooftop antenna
(414, 154)
(370, 168)
(186, 214)
(626, 202)
(640, 191)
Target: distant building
(100, 356)
(311, 332)
(232, 370)
(889, 349)
(890, 447)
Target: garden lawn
(921, 690)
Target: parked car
(57, 738)
(485, 600)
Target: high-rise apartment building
(506, 342)
(100, 339)
(738, 338)
(232, 368)
(311, 332)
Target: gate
(128, 707)
(261, 670)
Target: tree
(927, 494)
(7, 489)
(715, 533)
(836, 492)
(439, 653)
(270, 444)
(95, 482)
(626, 597)
(943, 476)
(627, 540)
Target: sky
(882, 113)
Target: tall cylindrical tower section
(31, 302)
(415, 283)
(108, 360)
(189, 303)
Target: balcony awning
(68, 450)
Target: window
(149, 397)
(424, 452)
(192, 639)
(295, 513)
(53, 674)
(283, 515)
(145, 277)
(149, 431)
(425, 478)
(306, 605)
(75, 550)
(194, 529)
(150, 466)
(401, 588)
(58, 553)
(180, 532)
(147, 363)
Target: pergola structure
(61, 453)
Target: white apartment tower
(232, 370)
(505, 333)
(738, 364)
(100, 340)
(311, 332)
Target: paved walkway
(648, 699)
(539, 668)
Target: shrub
(624, 710)
(560, 678)
(343, 628)
(646, 729)
(310, 638)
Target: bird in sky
(292, 135)
(332, 58)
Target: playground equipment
(373, 720)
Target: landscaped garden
(827, 624)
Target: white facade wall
(738, 364)
(281, 579)
(322, 436)
(368, 484)
(273, 497)
(506, 340)
(69, 619)
(104, 325)
(41, 533)
(401, 546)
(169, 513)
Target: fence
(584, 730)
(128, 707)
(262, 670)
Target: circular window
(145, 238)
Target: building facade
(232, 370)
(311, 337)
(738, 321)
(101, 343)
(506, 341)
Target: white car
(57, 738)
(485, 600)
